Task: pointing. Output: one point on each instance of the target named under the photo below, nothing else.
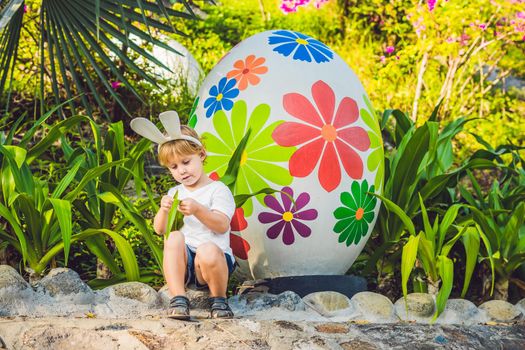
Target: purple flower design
(287, 217)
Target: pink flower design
(389, 50)
(325, 138)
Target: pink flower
(464, 38)
(521, 15)
(115, 84)
(482, 26)
(450, 40)
(288, 6)
(382, 59)
(431, 4)
(523, 38)
(319, 3)
(26, 9)
(389, 50)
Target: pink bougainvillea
(431, 5)
(288, 6)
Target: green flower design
(193, 116)
(356, 214)
(258, 165)
(376, 158)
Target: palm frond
(86, 45)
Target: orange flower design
(246, 71)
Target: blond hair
(179, 148)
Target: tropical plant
(38, 217)
(419, 162)
(507, 243)
(85, 47)
(97, 205)
(498, 211)
(431, 248)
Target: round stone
(63, 281)
(9, 277)
(420, 307)
(500, 311)
(460, 311)
(373, 307)
(136, 291)
(327, 303)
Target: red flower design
(239, 245)
(326, 136)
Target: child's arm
(161, 219)
(213, 219)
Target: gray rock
(500, 311)
(328, 303)
(521, 306)
(248, 303)
(373, 307)
(63, 281)
(420, 307)
(9, 277)
(460, 311)
(199, 299)
(136, 291)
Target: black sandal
(220, 308)
(179, 308)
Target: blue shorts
(191, 277)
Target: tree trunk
(501, 290)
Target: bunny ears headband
(170, 121)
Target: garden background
(446, 78)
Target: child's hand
(189, 206)
(166, 202)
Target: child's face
(187, 169)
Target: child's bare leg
(211, 268)
(174, 262)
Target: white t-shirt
(214, 196)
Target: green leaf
(446, 272)
(448, 220)
(471, 242)
(240, 199)
(429, 231)
(427, 257)
(489, 249)
(66, 180)
(391, 206)
(408, 259)
(6, 214)
(175, 217)
(230, 176)
(129, 260)
(511, 232)
(53, 135)
(90, 175)
(64, 216)
(404, 172)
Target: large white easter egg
(314, 137)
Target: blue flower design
(303, 46)
(221, 96)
